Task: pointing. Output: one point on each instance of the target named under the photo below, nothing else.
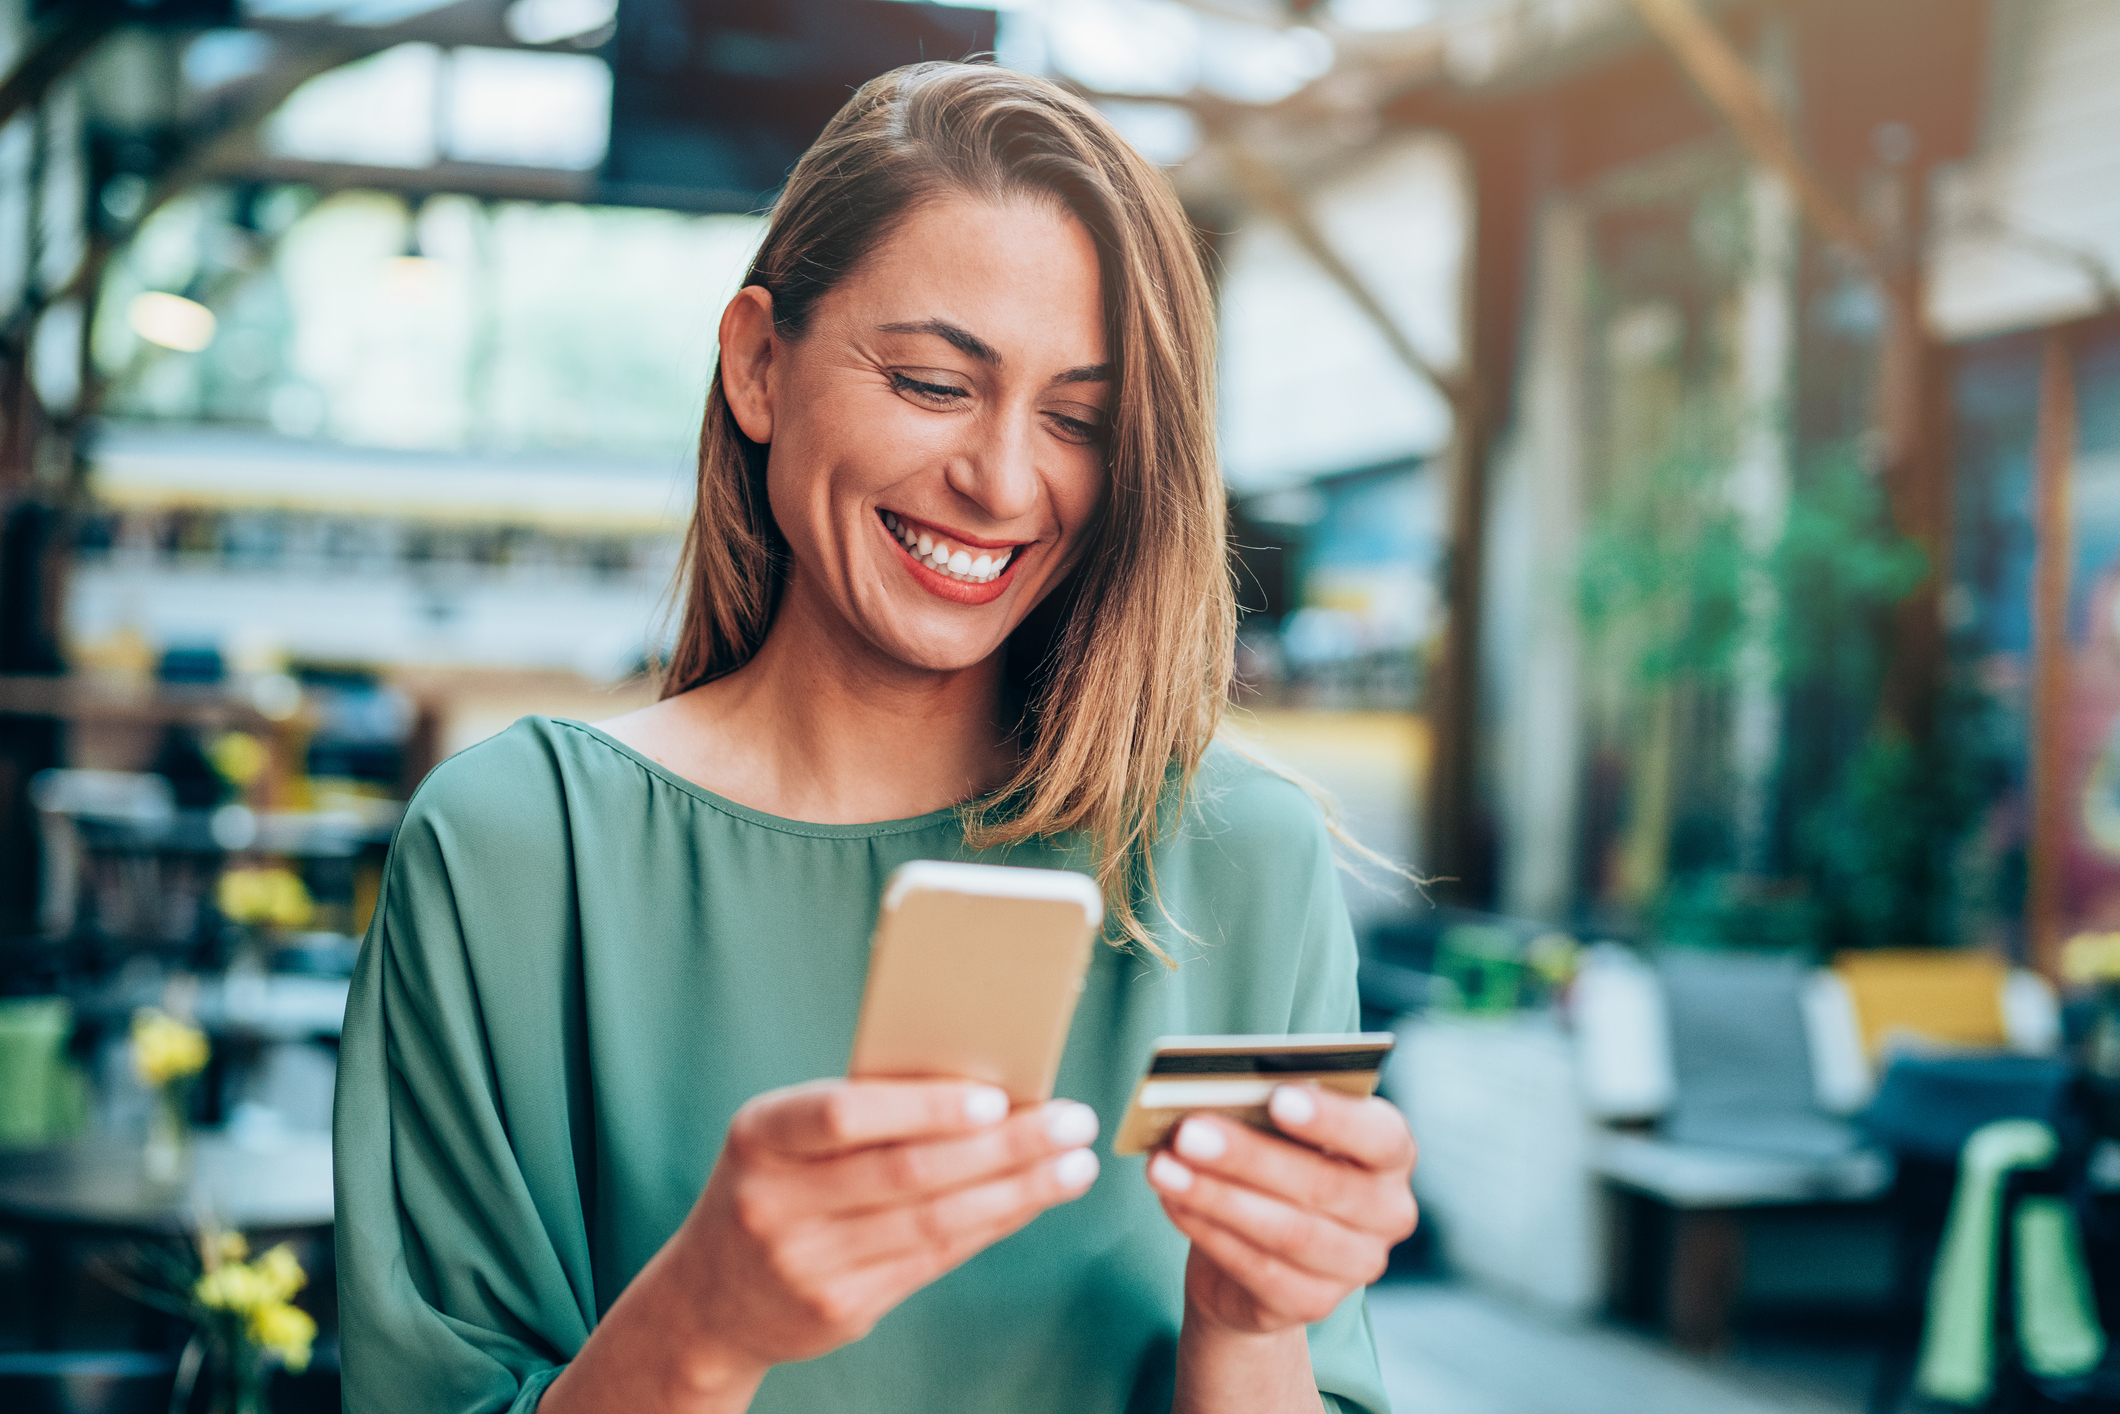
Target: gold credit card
(1236, 1075)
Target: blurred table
(63, 1198)
(102, 1185)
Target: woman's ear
(747, 361)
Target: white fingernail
(1070, 1124)
(1198, 1139)
(986, 1105)
(1075, 1168)
(1292, 1104)
(1167, 1172)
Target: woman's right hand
(831, 1203)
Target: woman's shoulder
(1250, 810)
(512, 785)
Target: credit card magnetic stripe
(1269, 1063)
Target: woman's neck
(820, 729)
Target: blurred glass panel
(528, 108)
(1310, 387)
(453, 325)
(379, 111)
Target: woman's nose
(999, 470)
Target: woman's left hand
(1283, 1229)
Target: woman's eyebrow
(957, 334)
(965, 340)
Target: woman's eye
(1077, 431)
(933, 394)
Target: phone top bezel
(1006, 881)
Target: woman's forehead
(994, 280)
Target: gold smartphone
(973, 974)
(1235, 1076)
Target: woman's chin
(931, 648)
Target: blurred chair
(1960, 1000)
(63, 798)
(41, 1097)
(1927, 1110)
(86, 1382)
(1723, 1054)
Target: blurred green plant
(1881, 849)
(1661, 581)
(1671, 586)
(1668, 567)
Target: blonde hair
(1124, 671)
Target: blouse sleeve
(1289, 957)
(462, 1290)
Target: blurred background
(1674, 455)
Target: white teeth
(938, 556)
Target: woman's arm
(1283, 1230)
(831, 1203)
(1224, 1370)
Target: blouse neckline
(934, 819)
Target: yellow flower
(1553, 957)
(286, 1331)
(230, 1247)
(166, 1049)
(281, 1273)
(2090, 958)
(239, 757)
(234, 1286)
(275, 896)
(248, 1287)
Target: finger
(1285, 1293)
(831, 1116)
(1368, 1131)
(1360, 1197)
(889, 1175)
(1316, 1244)
(942, 1222)
(876, 1288)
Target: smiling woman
(1026, 289)
(955, 588)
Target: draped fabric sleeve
(1286, 950)
(462, 1288)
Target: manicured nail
(1070, 1124)
(986, 1105)
(1166, 1172)
(1075, 1169)
(1201, 1139)
(1292, 1104)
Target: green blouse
(583, 964)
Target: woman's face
(937, 433)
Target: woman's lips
(951, 567)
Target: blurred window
(528, 108)
(378, 111)
(456, 324)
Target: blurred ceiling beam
(1269, 191)
(58, 48)
(484, 181)
(1716, 69)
